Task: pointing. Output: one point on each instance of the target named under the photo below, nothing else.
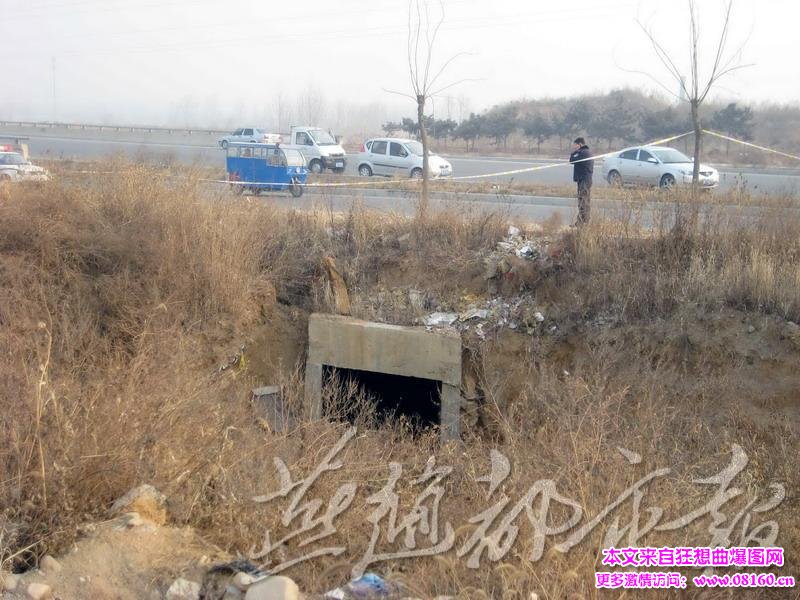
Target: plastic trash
(368, 587)
(513, 231)
(439, 319)
(527, 251)
(474, 313)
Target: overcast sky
(212, 60)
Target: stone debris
(242, 581)
(49, 565)
(8, 581)
(183, 589)
(273, 588)
(39, 591)
(145, 500)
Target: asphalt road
(519, 209)
(201, 149)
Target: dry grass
(112, 292)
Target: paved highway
(202, 149)
(515, 208)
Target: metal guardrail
(129, 128)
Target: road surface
(201, 149)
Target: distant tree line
(621, 117)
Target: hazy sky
(149, 60)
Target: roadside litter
(498, 313)
(368, 587)
(440, 319)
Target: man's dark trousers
(584, 200)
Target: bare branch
(431, 43)
(666, 60)
(445, 65)
(455, 83)
(723, 40)
(656, 81)
(403, 94)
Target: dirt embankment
(138, 317)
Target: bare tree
(281, 111)
(695, 87)
(311, 106)
(426, 79)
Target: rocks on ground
(183, 589)
(145, 500)
(49, 565)
(39, 591)
(273, 588)
(8, 581)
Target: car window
(644, 155)
(302, 139)
(248, 132)
(368, 145)
(379, 147)
(396, 149)
(12, 159)
(629, 154)
(237, 132)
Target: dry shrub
(107, 290)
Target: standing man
(582, 175)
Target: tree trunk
(423, 201)
(698, 132)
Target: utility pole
(55, 105)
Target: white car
(655, 165)
(247, 134)
(14, 167)
(398, 157)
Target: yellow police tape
(461, 178)
(751, 145)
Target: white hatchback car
(246, 134)
(655, 165)
(398, 157)
(14, 167)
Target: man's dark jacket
(582, 171)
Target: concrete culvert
(408, 371)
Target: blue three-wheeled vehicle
(257, 167)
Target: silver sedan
(657, 166)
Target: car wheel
(224, 144)
(296, 189)
(315, 167)
(614, 179)
(416, 173)
(365, 171)
(252, 141)
(667, 182)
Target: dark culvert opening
(413, 400)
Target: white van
(319, 147)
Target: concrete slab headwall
(348, 343)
